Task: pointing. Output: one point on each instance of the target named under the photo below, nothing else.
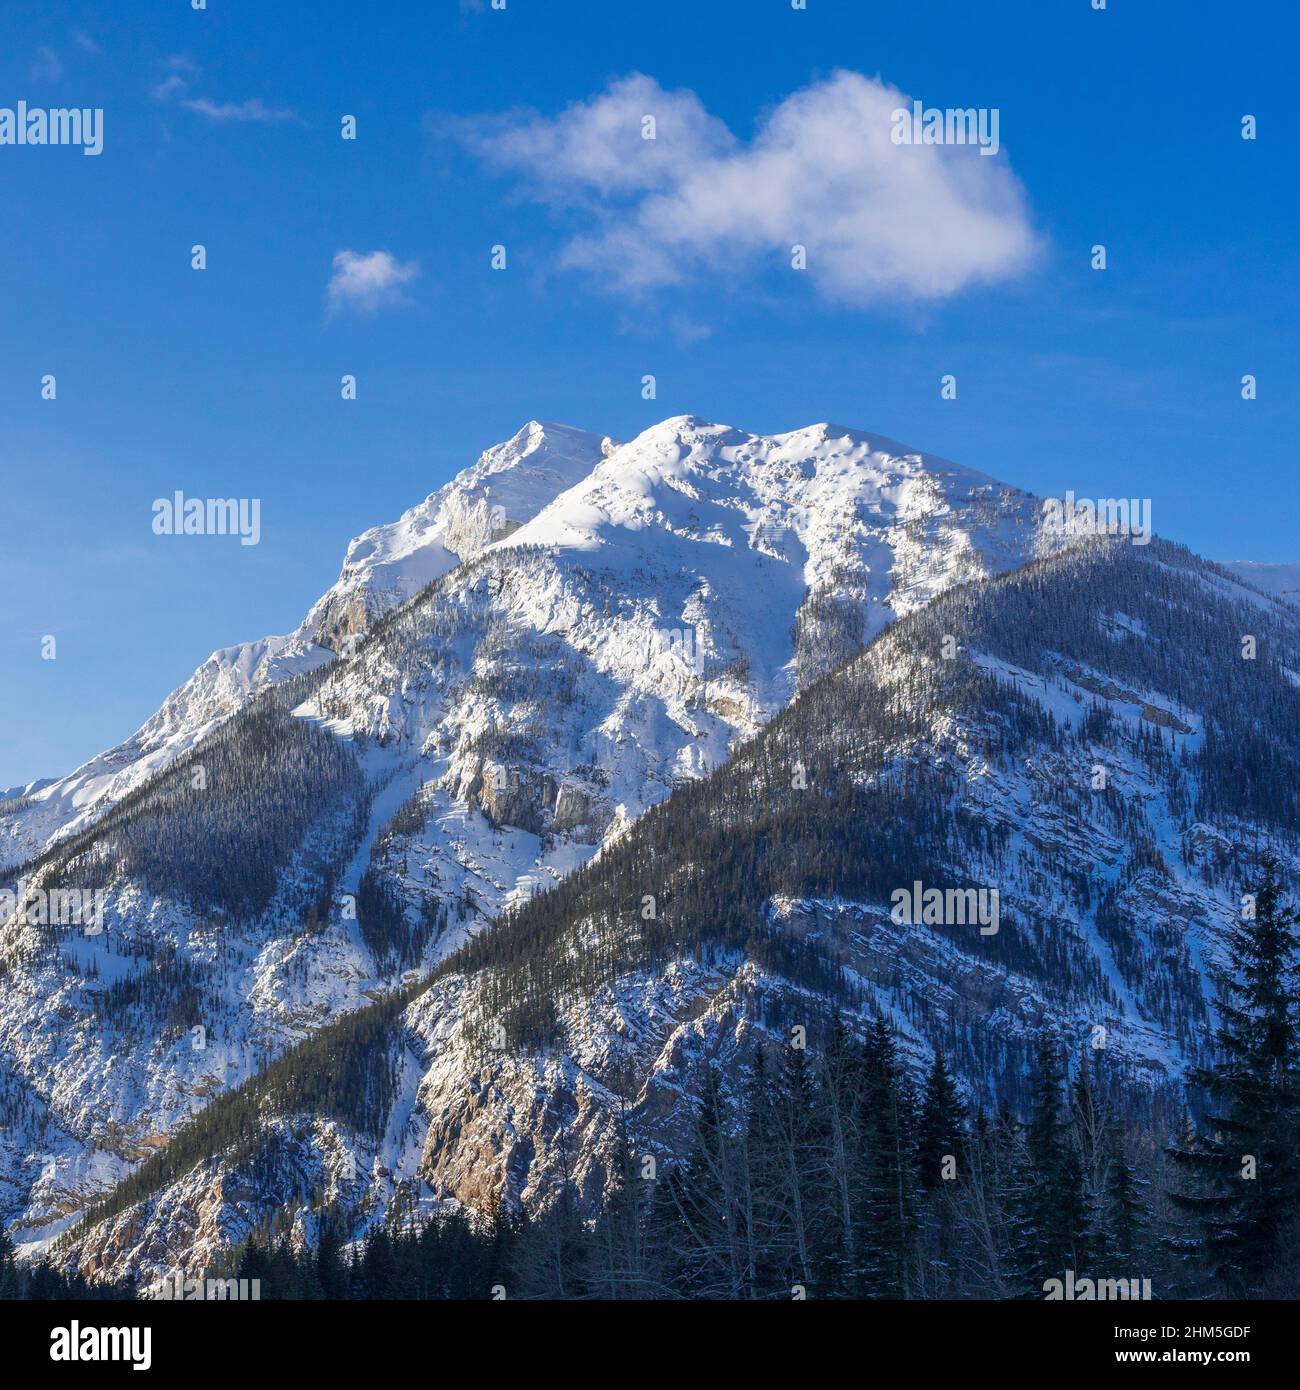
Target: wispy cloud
(175, 88)
(168, 87)
(253, 110)
(84, 41)
(47, 66)
(368, 282)
(880, 221)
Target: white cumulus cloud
(367, 282)
(880, 221)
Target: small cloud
(368, 282)
(168, 87)
(687, 331)
(47, 66)
(84, 41)
(174, 86)
(253, 110)
(662, 192)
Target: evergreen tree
(711, 1257)
(888, 1203)
(550, 1256)
(1089, 1121)
(331, 1272)
(621, 1263)
(940, 1125)
(1124, 1215)
(1051, 1232)
(10, 1284)
(253, 1262)
(941, 1158)
(838, 1125)
(798, 1196)
(1247, 1164)
(762, 1190)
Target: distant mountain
(1282, 581)
(13, 793)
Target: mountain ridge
(899, 764)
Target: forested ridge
(821, 804)
(835, 1174)
(244, 796)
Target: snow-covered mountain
(1086, 736)
(499, 686)
(507, 488)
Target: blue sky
(222, 127)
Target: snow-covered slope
(223, 684)
(824, 501)
(509, 484)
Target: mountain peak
(506, 486)
(542, 435)
(820, 439)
